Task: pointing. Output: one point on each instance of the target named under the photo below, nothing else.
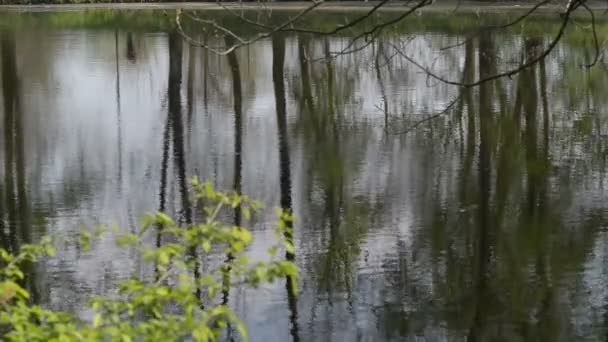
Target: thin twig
(499, 27)
(508, 73)
(302, 30)
(596, 42)
(243, 42)
(432, 117)
(214, 24)
(376, 30)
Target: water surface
(486, 223)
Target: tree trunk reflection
(278, 80)
(18, 211)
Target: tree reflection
(173, 137)
(278, 80)
(131, 54)
(175, 114)
(237, 98)
(9, 87)
(326, 132)
(480, 225)
(494, 248)
(15, 206)
(483, 241)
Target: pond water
(487, 222)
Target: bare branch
(215, 25)
(373, 33)
(242, 42)
(432, 117)
(500, 27)
(303, 30)
(520, 18)
(565, 21)
(595, 39)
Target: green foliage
(178, 303)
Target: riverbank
(449, 5)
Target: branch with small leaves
(168, 307)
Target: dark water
(485, 223)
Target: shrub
(177, 302)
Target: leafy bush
(178, 303)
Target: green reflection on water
(486, 223)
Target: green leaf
(273, 250)
(209, 189)
(206, 245)
(164, 219)
(246, 213)
(163, 258)
(97, 321)
(126, 240)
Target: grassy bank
(160, 17)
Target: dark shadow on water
(237, 101)
(16, 211)
(278, 80)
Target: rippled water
(487, 222)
